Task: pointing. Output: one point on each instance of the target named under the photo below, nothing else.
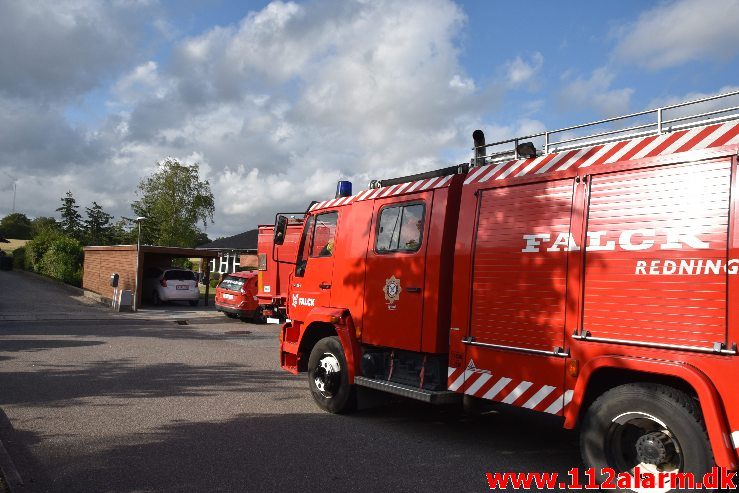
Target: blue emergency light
(343, 189)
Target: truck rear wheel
(328, 378)
(655, 427)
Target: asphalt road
(95, 401)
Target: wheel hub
(655, 448)
(639, 439)
(327, 375)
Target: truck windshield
(324, 235)
(305, 242)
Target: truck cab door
(396, 267)
(311, 282)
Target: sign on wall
(225, 264)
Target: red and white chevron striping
(685, 140)
(655, 145)
(521, 393)
(378, 193)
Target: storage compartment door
(519, 297)
(520, 265)
(655, 262)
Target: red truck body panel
(535, 275)
(273, 275)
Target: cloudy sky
(278, 100)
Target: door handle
(324, 285)
(413, 290)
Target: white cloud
(698, 108)
(681, 31)
(520, 71)
(297, 96)
(596, 93)
(275, 108)
(142, 82)
(55, 49)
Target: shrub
(37, 248)
(184, 263)
(214, 282)
(63, 261)
(19, 258)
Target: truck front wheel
(328, 378)
(650, 426)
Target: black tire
(626, 413)
(337, 396)
(155, 299)
(194, 302)
(258, 317)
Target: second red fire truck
(275, 262)
(594, 279)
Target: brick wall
(100, 264)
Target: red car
(236, 295)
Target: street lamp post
(139, 220)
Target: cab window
(400, 228)
(324, 235)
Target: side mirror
(280, 230)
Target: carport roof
(174, 251)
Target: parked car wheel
(258, 317)
(654, 427)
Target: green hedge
(63, 261)
(19, 258)
(37, 248)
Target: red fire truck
(274, 266)
(593, 278)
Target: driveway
(96, 401)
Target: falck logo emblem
(295, 299)
(392, 289)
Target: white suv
(170, 284)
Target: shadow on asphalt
(129, 327)
(125, 379)
(14, 345)
(403, 447)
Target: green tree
(122, 232)
(202, 239)
(98, 227)
(71, 221)
(174, 201)
(42, 223)
(16, 226)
